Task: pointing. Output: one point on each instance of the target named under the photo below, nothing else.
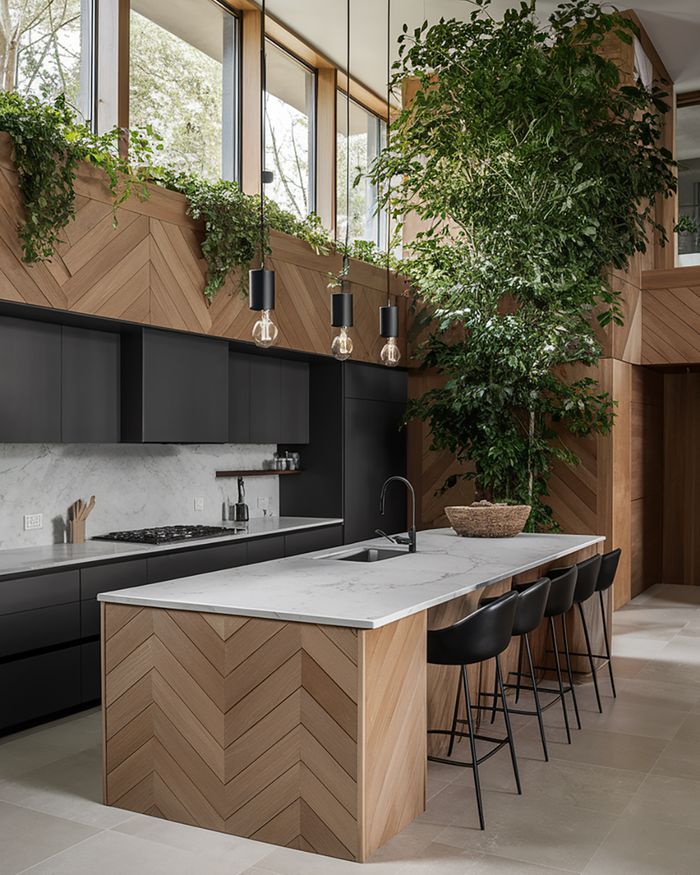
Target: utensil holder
(76, 531)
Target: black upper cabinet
(268, 400)
(174, 388)
(90, 386)
(30, 381)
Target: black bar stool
(560, 600)
(607, 568)
(483, 635)
(529, 613)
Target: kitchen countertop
(22, 560)
(317, 588)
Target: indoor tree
(533, 167)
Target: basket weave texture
(488, 521)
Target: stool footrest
(497, 742)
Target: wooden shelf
(267, 472)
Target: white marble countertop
(318, 588)
(22, 560)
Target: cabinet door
(185, 388)
(90, 672)
(185, 563)
(375, 448)
(313, 539)
(106, 578)
(40, 591)
(90, 386)
(294, 403)
(264, 400)
(30, 381)
(239, 399)
(43, 627)
(266, 549)
(38, 686)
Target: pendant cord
(263, 120)
(388, 143)
(346, 256)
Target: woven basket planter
(488, 520)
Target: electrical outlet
(263, 502)
(33, 521)
(199, 504)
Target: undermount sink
(369, 554)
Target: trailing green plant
(49, 142)
(533, 168)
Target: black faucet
(400, 539)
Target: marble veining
(136, 485)
(318, 588)
(27, 559)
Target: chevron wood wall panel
(671, 316)
(149, 269)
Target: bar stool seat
(481, 636)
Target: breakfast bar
(289, 701)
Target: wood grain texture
(671, 317)
(149, 269)
(296, 734)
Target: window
(184, 82)
(45, 50)
(289, 131)
(367, 138)
(688, 156)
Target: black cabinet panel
(313, 539)
(89, 618)
(266, 549)
(27, 593)
(375, 448)
(294, 403)
(30, 381)
(114, 575)
(174, 388)
(375, 383)
(44, 627)
(90, 386)
(38, 686)
(188, 562)
(239, 399)
(90, 673)
(265, 400)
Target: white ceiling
(673, 26)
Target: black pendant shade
(341, 310)
(262, 289)
(389, 321)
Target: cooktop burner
(167, 534)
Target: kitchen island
(289, 701)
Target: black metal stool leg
(607, 643)
(555, 648)
(590, 656)
(472, 746)
(509, 730)
(520, 669)
(567, 653)
(536, 695)
(495, 697)
(454, 717)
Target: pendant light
(261, 281)
(389, 315)
(341, 302)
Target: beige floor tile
(672, 672)
(675, 800)
(680, 697)
(622, 715)
(689, 729)
(286, 861)
(28, 837)
(681, 759)
(490, 864)
(647, 846)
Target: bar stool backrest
(608, 569)
(561, 593)
(480, 636)
(588, 572)
(531, 605)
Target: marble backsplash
(136, 485)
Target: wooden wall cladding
(280, 732)
(150, 270)
(671, 316)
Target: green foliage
(48, 144)
(533, 169)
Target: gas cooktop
(168, 534)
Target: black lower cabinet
(34, 630)
(313, 539)
(266, 549)
(39, 686)
(185, 563)
(106, 578)
(90, 673)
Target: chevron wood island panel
(296, 734)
